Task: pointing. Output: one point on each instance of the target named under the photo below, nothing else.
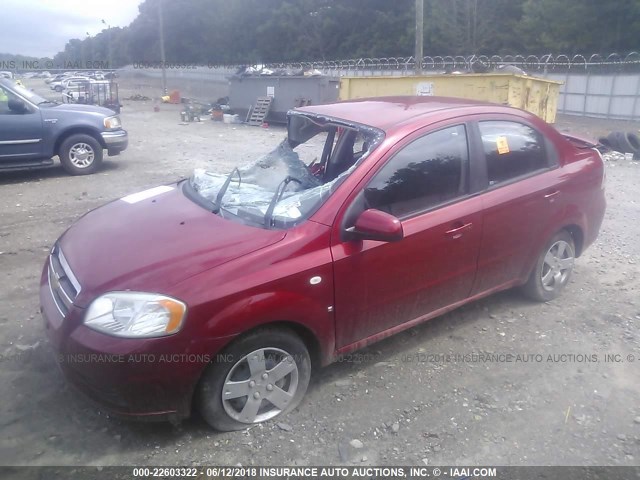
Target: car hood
(75, 108)
(151, 241)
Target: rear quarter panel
(581, 183)
(584, 191)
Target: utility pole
(111, 67)
(83, 54)
(419, 35)
(162, 56)
(90, 42)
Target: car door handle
(552, 194)
(457, 232)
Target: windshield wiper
(223, 189)
(276, 198)
(47, 101)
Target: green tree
(263, 31)
(466, 27)
(581, 26)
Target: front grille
(63, 284)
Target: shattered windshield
(288, 184)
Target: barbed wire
(547, 62)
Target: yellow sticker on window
(503, 145)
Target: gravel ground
(392, 403)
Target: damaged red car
(221, 292)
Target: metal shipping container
(287, 92)
(536, 95)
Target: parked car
(56, 83)
(56, 78)
(44, 74)
(96, 75)
(68, 82)
(8, 75)
(73, 82)
(33, 130)
(372, 216)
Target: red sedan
(222, 291)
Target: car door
(20, 128)
(426, 185)
(523, 197)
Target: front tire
(261, 376)
(80, 154)
(553, 268)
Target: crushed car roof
(391, 113)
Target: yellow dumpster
(536, 95)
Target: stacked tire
(624, 142)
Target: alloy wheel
(81, 155)
(558, 263)
(260, 385)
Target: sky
(41, 28)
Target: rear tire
(261, 376)
(633, 143)
(624, 142)
(553, 268)
(615, 141)
(604, 141)
(80, 154)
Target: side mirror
(377, 225)
(17, 106)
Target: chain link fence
(605, 86)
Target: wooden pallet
(260, 110)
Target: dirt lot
(404, 407)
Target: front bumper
(130, 377)
(116, 141)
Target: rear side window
(427, 172)
(512, 150)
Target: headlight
(112, 122)
(135, 315)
